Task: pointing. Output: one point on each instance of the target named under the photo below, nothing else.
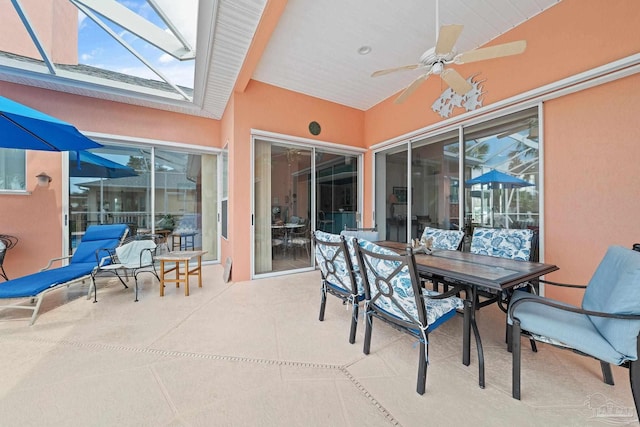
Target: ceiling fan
(438, 58)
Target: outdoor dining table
(473, 271)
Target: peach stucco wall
(36, 218)
(592, 153)
(590, 139)
(272, 109)
(44, 16)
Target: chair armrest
(569, 308)
(106, 253)
(52, 260)
(564, 285)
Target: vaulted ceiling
(315, 48)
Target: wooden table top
(474, 269)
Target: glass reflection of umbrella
(496, 179)
(83, 164)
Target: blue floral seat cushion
(443, 239)
(503, 243)
(403, 304)
(340, 277)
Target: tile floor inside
(254, 354)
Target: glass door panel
(282, 207)
(336, 191)
(391, 194)
(435, 181)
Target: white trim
(174, 145)
(279, 137)
(596, 76)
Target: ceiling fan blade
(447, 38)
(391, 70)
(491, 52)
(456, 81)
(411, 88)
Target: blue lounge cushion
(339, 278)
(33, 284)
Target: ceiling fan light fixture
(364, 50)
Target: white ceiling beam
(130, 21)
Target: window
(12, 169)
(225, 194)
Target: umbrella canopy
(93, 166)
(494, 178)
(28, 129)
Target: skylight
(144, 46)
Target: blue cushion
(443, 239)
(403, 304)
(503, 243)
(98, 237)
(615, 288)
(33, 284)
(573, 330)
(337, 275)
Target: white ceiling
(314, 49)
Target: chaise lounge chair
(95, 243)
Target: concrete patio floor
(254, 354)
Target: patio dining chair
(394, 295)
(6, 242)
(450, 240)
(605, 327)
(135, 256)
(335, 256)
(94, 245)
(517, 244)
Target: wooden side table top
(180, 255)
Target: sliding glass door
(298, 189)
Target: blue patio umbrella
(496, 179)
(24, 128)
(88, 165)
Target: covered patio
(178, 361)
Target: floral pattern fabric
(443, 239)
(337, 274)
(503, 243)
(399, 299)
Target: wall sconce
(43, 179)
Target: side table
(178, 261)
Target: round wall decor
(314, 128)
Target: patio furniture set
(389, 279)
(104, 250)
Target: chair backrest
(444, 239)
(392, 284)
(615, 288)
(502, 242)
(98, 237)
(336, 264)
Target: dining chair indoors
(339, 278)
(605, 327)
(393, 294)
